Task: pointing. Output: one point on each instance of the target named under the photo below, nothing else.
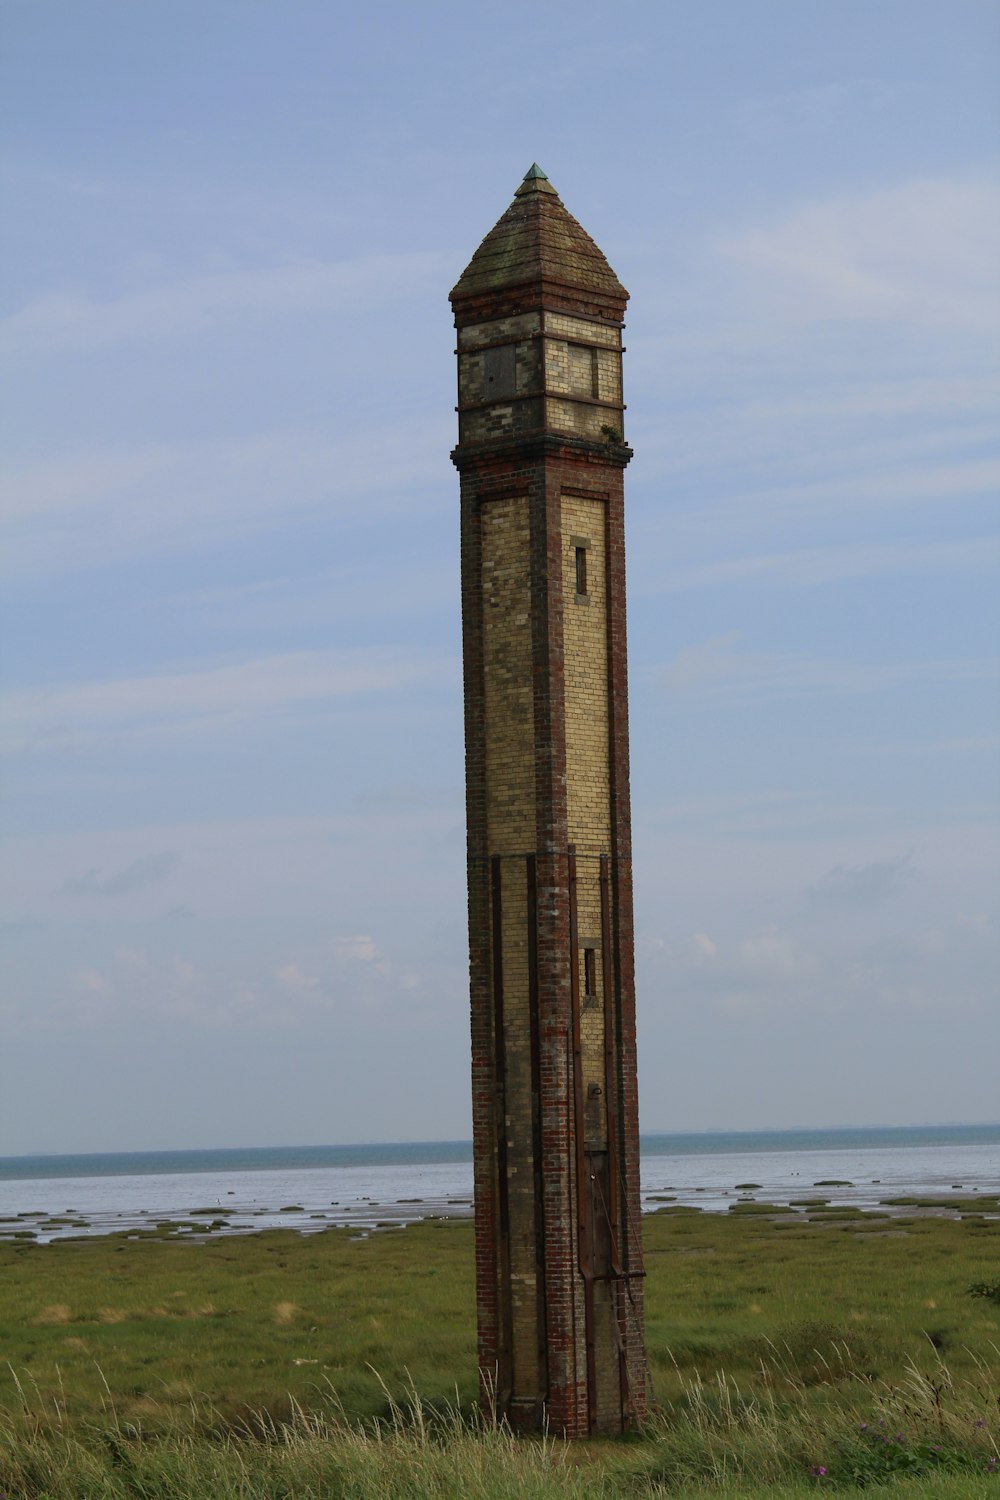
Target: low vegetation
(789, 1355)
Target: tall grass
(785, 1362)
(313, 1453)
(927, 1435)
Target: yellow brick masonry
(500, 419)
(581, 330)
(570, 370)
(582, 358)
(498, 330)
(585, 626)
(588, 808)
(588, 771)
(510, 817)
(511, 832)
(509, 708)
(579, 420)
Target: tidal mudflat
(363, 1188)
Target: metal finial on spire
(535, 172)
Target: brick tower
(540, 453)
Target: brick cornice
(514, 452)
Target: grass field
(789, 1355)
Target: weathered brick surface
(553, 1057)
(583, 330)
(507, 675)
(499, 331)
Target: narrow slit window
(590, 971)
(581, 577)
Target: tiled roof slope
(536, 240)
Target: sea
(371, 1187)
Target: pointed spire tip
(535, 172)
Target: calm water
(310, 1187)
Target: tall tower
(540, 453)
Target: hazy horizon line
(467, 1140)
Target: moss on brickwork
(537, 240)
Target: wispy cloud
(143, 872)
(716, 666)
(903, 485)
(818, 107)
(104, 506)
(219, 990)
(973, 744)
(864, 885)
(80, 713)
(922, 252)
(831, 365)
(849, 957)
(360, 949)
(808, 566)
(292, 977)
(313, 287)
(828, 424)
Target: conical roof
(536, 241)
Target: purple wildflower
(818, 1472)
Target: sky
(233, 859)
